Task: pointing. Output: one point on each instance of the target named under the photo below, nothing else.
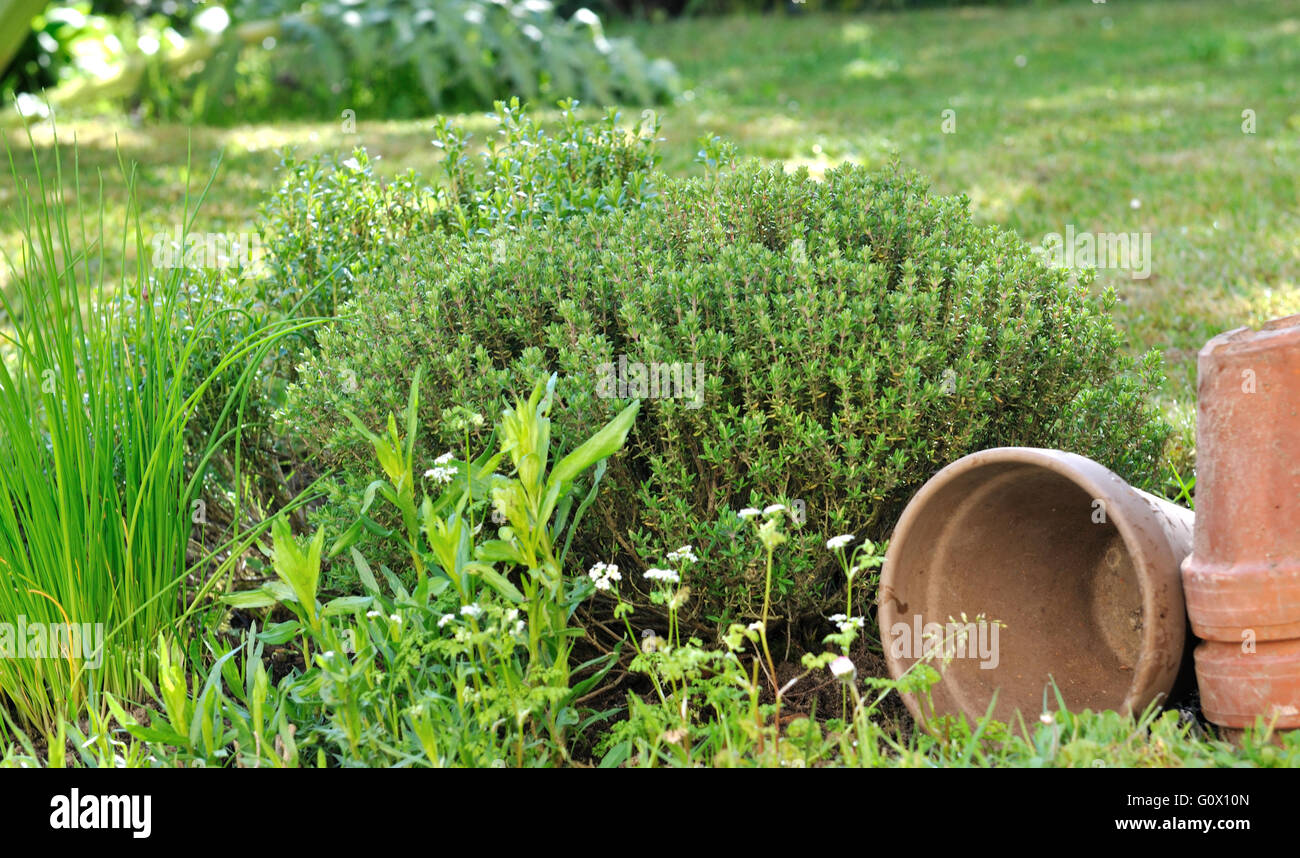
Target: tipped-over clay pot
(1080, 568)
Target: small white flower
(747, 513)
(327, 654)
(837, 542)
(443, 459)
(446, 618)
(519, 627)
(441, 474)
(1135, 203)
(773, 509)
(372, 614)
(471, 611)
(756, 626)
(846, 623)
(396, 618)
(843, 668)
(662, 575)
(683, 555)
(603, 575)
(1046, 718)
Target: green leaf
(412, 414)
(259, 598)
(364, 572)
(499, 551)
(348, 539)
(279, 633)
(602, 445)
(346, 605)
(498, 582)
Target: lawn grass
(1100, 117)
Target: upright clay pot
(1242, 580)
(1080, 568)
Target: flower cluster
(837, 542)
(440, 472)
(604, 575)
(666, 575)
(846, 622)
(683, 555)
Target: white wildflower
(471, 611)
(441, 473)
(846, 622)
(446, 618)
(747, 513)
(843, 668)
(837, 542)
(662, 575)
(683, 555)
(603, 575)
(773, 509)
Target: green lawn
(1106, 118)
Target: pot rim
(1275, 333)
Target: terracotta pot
(1238, 685)
(1243, 577)
(1080, 567)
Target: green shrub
(331, 219)
(853, 336)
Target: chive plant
(95, 495)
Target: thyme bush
(826, 344)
